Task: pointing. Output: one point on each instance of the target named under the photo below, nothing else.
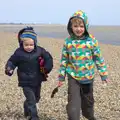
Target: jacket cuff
(104, 77)
(61, 78)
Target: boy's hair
(77, 21)
(24, 39)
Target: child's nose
(29, 47)
(79, 28)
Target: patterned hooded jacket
(79, 56)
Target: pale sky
(100, 12)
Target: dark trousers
(32, 95)
(80, 96)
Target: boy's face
(28, 45)
(78, 29)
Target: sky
(100, 12)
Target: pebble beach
(107, 98)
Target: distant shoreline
(27, 24)
(104, 34)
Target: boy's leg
(87, 101)
(26, 110)
(37, 91)
(30, 102)
(74, 100)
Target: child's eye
(81, 26)
(26, 44)
(32, 45)
(75, 25)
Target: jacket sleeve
(99, 60)
(12, 61)
(63, 63)
(48, 60)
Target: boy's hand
(11, 71)
(8, 71)
(60, 83)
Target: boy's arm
(63, 64)
(99, 60)
(11, 64)
(48, 61)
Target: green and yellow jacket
(80, 56)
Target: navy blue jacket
(28, 68)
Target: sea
(104, 34)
